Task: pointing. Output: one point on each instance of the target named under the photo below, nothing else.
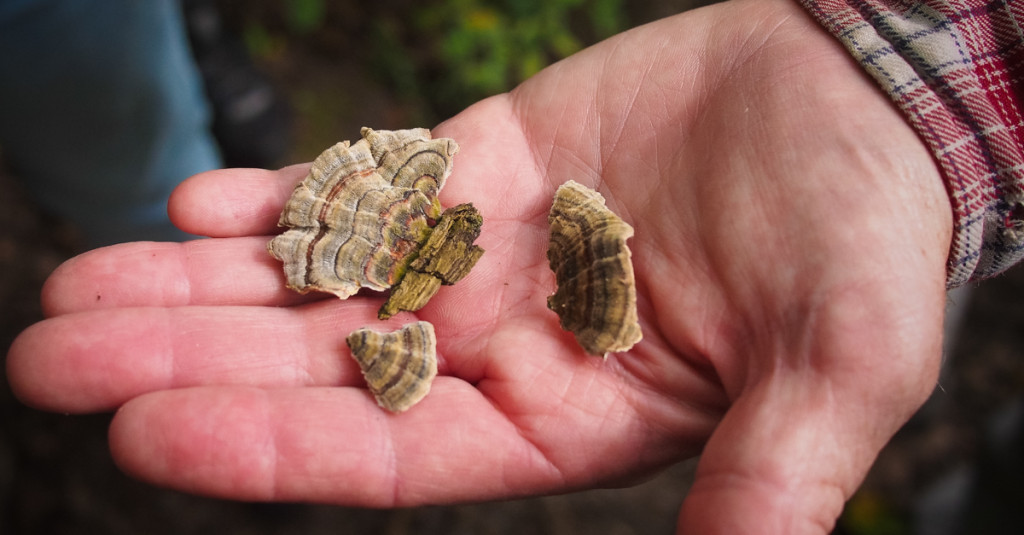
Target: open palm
(791, 233)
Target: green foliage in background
(869, 514)
(441, 54)
(459, 51)
(305, 16)
(301, 19)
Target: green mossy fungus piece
(447, 256)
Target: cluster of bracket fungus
(596, 295)
(363, 218)
(368, 216)
(363, 212)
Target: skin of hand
(791, 237)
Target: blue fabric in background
(102, 112)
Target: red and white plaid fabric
(956, 69)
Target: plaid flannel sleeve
(956, 70)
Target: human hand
(791, 234)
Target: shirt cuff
(956, 70)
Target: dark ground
(56, 475)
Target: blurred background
(311, 73)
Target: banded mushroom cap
(596, 294)
(398, 366)
(363, 211)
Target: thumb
(794, 448)
(772, 468)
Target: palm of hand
(779, 267)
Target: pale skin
(791, 238)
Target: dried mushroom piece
(398, 366)
(363, 211)
(411, 159)
(447, 256)
(596, 295)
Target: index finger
(233, 202)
